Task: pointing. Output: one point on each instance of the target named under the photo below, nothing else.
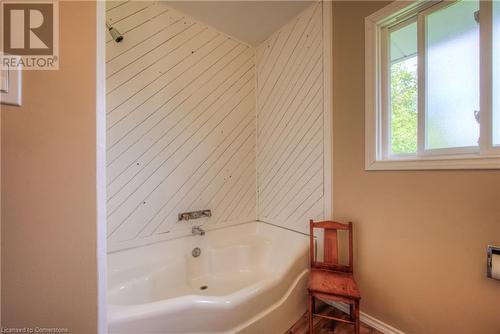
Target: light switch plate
(11, 86)
(490, 251)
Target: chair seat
(333, 283)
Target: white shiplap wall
(181, 130)
(290, 145)
(193, 123)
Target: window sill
(436, 163)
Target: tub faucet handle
(207, 213)
(197, 230)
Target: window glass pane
(403, 67)
(452, 76)
(496, 72)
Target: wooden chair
(329, 280)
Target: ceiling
(251, 22)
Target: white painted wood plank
(186, 188)
(232, 170)
(157, 93)
(314, 211)
(296, 190)
(144, 203)
(271, 44)
(137, 19)
(289, 154)
(182, 134)
(118, 13)
(175, 133)
(153, 64)
(178, 151)
(167, 220)
(277, 173)
(177, 113)
(276, 193)
(288, 51)
(132, 62)
(181, 125)
(276, 110)
(152, 80)
(113, 4)
(185, 95)
(313, 191)
(295, 112)
(275, 54)
(234, 149)
(285, 145)
(242, 192)
(290, 123)
(308, 48)
(289, 96)
(181, 145)
(136, 38)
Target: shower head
(117, 37)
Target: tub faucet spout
(197, 230)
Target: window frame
(386, 89)
(377, 94)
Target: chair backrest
(330, 245)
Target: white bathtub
(255, 275)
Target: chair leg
(310, 306)
(351, 312)
(356, 317)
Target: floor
(325, 326)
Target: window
(432, 70)
(403, 88)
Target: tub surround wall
(199, 120)
(420, 236)
(290, 123)
(180, 125)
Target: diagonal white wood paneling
(199, 120)
(290, 123)
(181, 129)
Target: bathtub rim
(207, 228)
(273, 279)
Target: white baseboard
(369, 320)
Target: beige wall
(420, 236)
(49, 271)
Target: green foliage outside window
(403, 109)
